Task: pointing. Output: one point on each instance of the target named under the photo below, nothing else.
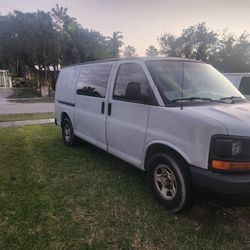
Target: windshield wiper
(194, 98)
(231, 98)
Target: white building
(5, 79)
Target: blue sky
(142, 21)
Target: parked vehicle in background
(241, 81)
(19, 82)
(180, 120)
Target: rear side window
(132, 84)
(93, 80)
(245, 86)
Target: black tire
(68, 133)
(170, 181)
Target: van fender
(167, 144)
(68, 113)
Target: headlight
(230, 153)
(236, 148)
(226, 148)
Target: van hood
(235, 117)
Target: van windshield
(191, 81)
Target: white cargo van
(180, 120)
(241, 81)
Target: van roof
(136, 58)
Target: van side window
(93, 80)
(132, 84)
(245, 86)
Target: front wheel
(170, 182)
(68, 133)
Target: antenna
(182, 80)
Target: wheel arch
(64, 114)
(163, 147)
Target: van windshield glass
(191, 81)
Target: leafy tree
(225, 51)
(152, 51)
(27, 38)
(129, 51)
(78, 44)
(232, 54)
(66, 27)
(195, 42)
(33, 42)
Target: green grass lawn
(22, 117)
(55, 197)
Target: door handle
(103, 107)
(109, 109)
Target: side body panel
(90, 122)
(126, 130)
(127, 125)
(65, 93)
(183, 130)
(90, 118)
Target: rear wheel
(68, 133)
(170, 182)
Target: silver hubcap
(165, 181)
(67, 132)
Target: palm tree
(115, 42)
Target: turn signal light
(227, 165)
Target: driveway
(7, 107)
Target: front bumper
(222, 183)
